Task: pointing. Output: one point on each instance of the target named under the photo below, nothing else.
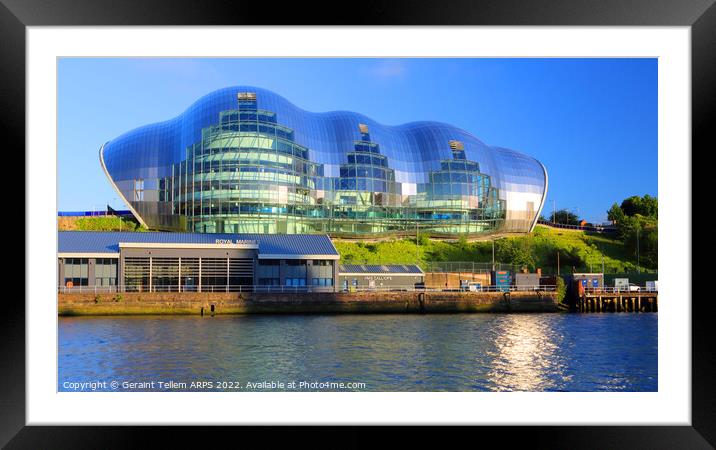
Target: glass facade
(245, 160)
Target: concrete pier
(634, 302)
(304, 303)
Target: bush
(561, 289)
(107, 223)
(423, 239)
(517, 251)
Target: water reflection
(526, 356)
(460, 352)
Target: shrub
(561, 289)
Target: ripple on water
(456, 352)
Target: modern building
(380, 276)
(245, 160)
(194, 262)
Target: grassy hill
(98, 223)
(576, 249)
(580, 250)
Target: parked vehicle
(634, 288)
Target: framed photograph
(446, 217)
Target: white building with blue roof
(194, 262)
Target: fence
(492, 288)
(123, 213)
(203, 289)
(595, 228)
(617, 290)
(463, 266)
(294, 289)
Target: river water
(454, 352)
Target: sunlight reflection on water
(457, 352)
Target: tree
(462, 242)
(638, 225)
(518, 252)
(615, 214)
(423, 239)
(646, 206)
(645, 235)
(566, 217)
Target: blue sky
(592, 122)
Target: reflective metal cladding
(245, 160)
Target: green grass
(539, 249)
(107, 224)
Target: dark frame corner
(700, 15)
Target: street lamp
(638, 269)
(118, 216)
(493, 251)
(493, 254)
(554, 211)
(417, 241)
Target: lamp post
(602, 263)
(638, 269)
(417, 239)
(493, 254)
(118, 216)
(554, 212)
(493, 251)
(557, 263)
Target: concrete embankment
(299, 303)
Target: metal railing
(203, 289)
(464, 266)
(619, 290)
(294, 289)
(510, 288)
(594, 228)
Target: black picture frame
(700, 15)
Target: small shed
(524, 280)
(589, 280)
(379, 276)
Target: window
(269, 262)
(76, 281)
(138, 190)
(269, 281)
(105, 281)
(105, 272)
(295, 281)
(295, 262)
(250, 96)
(77, 271)
(322, 282)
